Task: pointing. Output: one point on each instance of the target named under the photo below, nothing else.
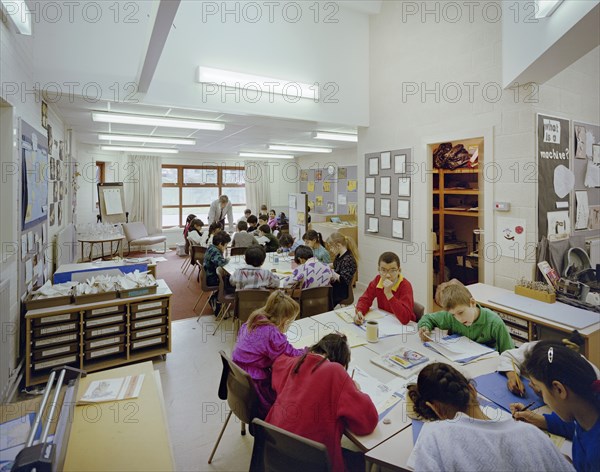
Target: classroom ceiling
(134, 53)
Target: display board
(297, 213)
(586, 167)
(388, 194)
(111, 197)
(331, 190)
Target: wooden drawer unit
(53, 351)
(97, 334)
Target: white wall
(535, 50)
(342, 157)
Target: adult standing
(219, 209)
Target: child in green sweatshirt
(463, 316)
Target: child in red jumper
(317, 399)
(393, 292)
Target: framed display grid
(388, 194)
(336, 193)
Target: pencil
(352, 377)
(519, 383)
(526, 407)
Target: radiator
(593, 249)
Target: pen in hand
(526, 407)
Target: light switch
(502, 206)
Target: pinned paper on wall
(326, 186)
(310, 187)
(319, 200)
(559, 225)
(351, 186)
(596, 154)
(404, 187)
(373, 166)
(564, 181)
(373, 225)
(370, 206)
(386, 207)
(400, 164)
(23, 246)
(404, 209)
(582, 210)
(398, 229)
(352, 207)
(370, 185)
(594, 217)
(330, 207)
(386, 160)
(342, 199)
(28, 270)
(386, 185)
(512, 237)
(580, 142)
(592, 174)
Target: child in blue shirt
(569, 385)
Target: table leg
(120, 247)
(91, 251)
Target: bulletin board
(111, 197)
(586, 167)
(331, 190)
(388, 194)
(555, 179)
(297, 213)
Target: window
(191, 189)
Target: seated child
(393, 292)
(570, 386)
(273, 243)
(310, 270)
(252, 223)
(317, 399)
(286, 241)
(214, 257)
(282, 219)
(344, 265)
(186, 229)
(262, 220)
(462, 436)
(213, 229)
(247, 213)
(252, 276)
(242, 238)
(262, 339)
(195, 232)
(463, 316)
(314, 241)
(272, 221)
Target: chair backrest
(418, 310)
(135, 230)
(238, 251)
(276, 449)
(249, 300)
(238, 389)
(196, 253)
(349, 300)
(314, 301)
(223, 276)
(203, 284)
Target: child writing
(314, 241)
(286, 241)
(344, 265)
(261, 340)
(463, 436)
(242, 238)
(310, 270)
(393, 292)
(463, 316)
(195, 232)
(570, 387)
(272, 243)
(323, 396)
(252, 276)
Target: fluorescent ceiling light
(256, 84)
(281, 147)
(19, 13)
(351, 138)
(145, 139)
(545, 8)
(265, 155)
(139, 149)
(156, 121)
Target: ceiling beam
(162, 26)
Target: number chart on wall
(388, 192)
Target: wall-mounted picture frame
(385, 207)
(386, 160)
(342, 173)
(370, 206)
(398, 229)
(404, 186)
(404, 209)
(370, 185)
(400, 164)
(373, 166)
(373, 225)
(386, 185)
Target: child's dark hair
(312, 235)
(439, 382)
(286, 240)
(550, 361)
(247, 211)
(302, 252)
(196, 222)
(242, 226)
(213, 227)
(334, 347)
(388, 258)
(575, 341)
(265, 229)
(189, 218)
(221, 237)
(263, 217)
(255, 256)
(252, 220)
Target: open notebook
(460, 348)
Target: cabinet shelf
(456, 171)
(472, 214)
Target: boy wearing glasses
(393, 292)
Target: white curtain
(257, 186)
(145, 183)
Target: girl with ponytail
(569, 385)
(314, 241)
(344, 265)
(461, 435)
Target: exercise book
(460, 348)
(493, 387)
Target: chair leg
(222, 313)
(204, 307)
(219, 438)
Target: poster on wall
(34, 181)
(511, 237)
(554, 175)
